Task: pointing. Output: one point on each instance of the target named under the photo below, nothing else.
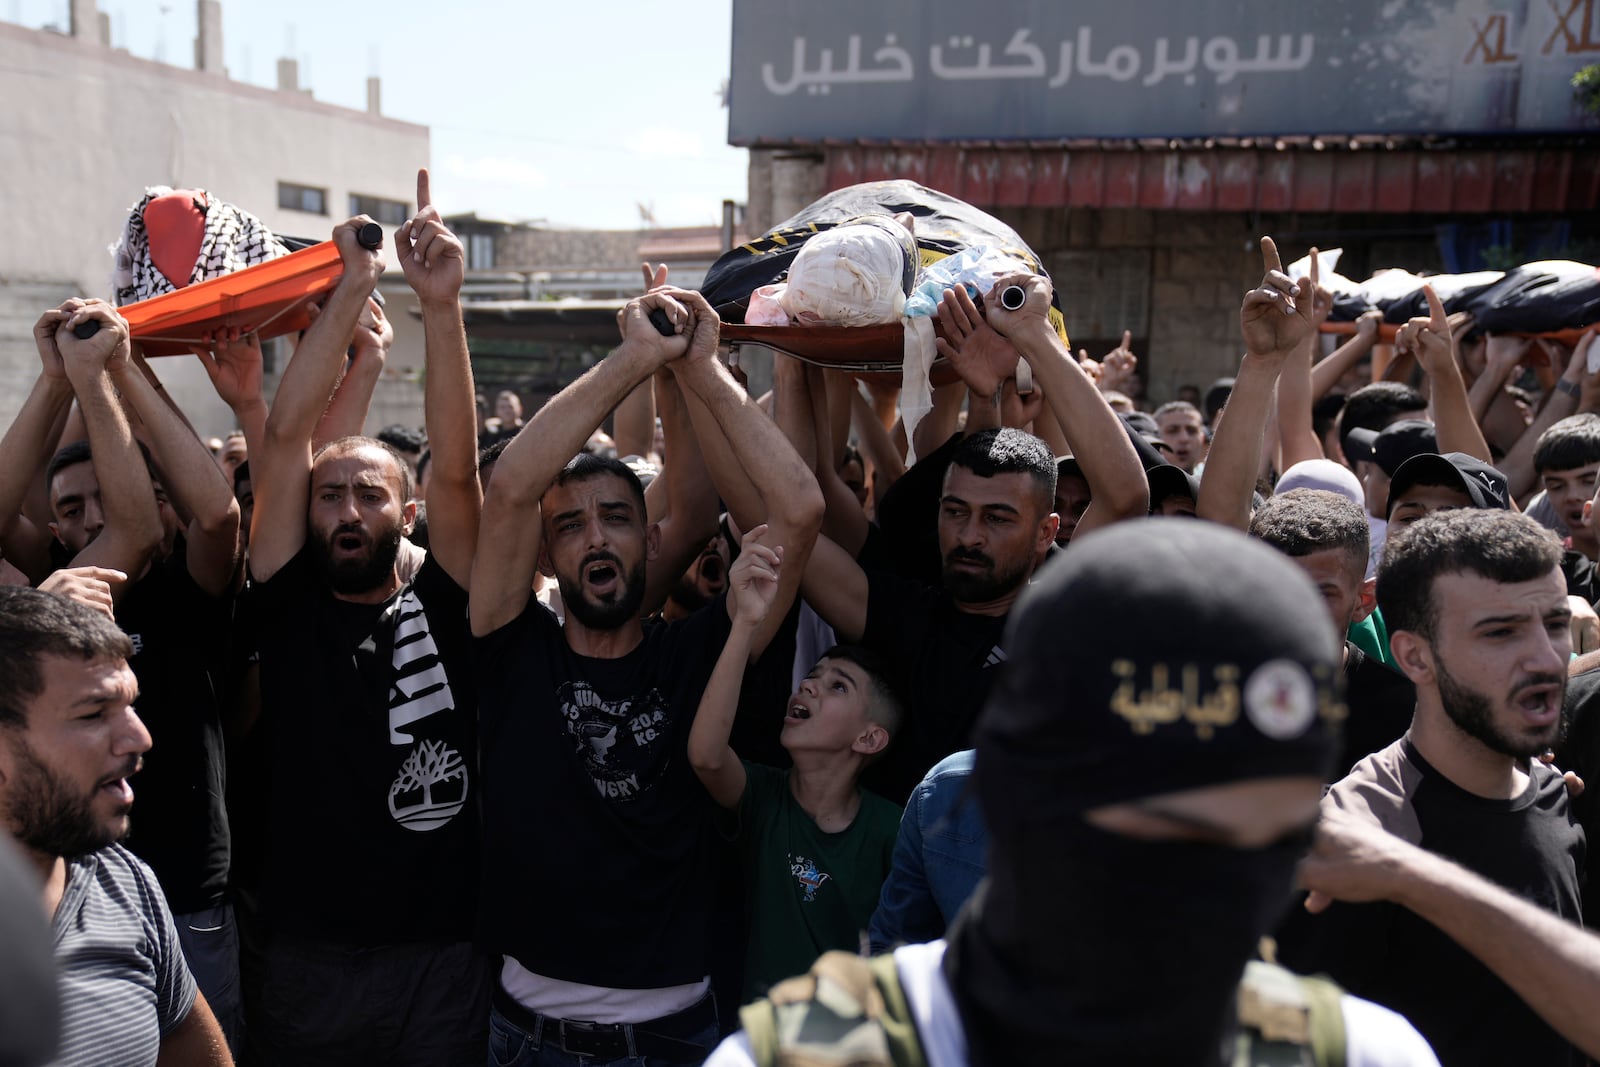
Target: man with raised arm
(996, 523)
(367, 702)
(598, 895)
(176, 611)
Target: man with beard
(1149, 789)
(996, 523)
(69, 742)
(117, 506)
(367, 707)
(598, 894)
(702, 583)
(1478, 618)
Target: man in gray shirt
(69, 741)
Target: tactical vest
(852, 1012)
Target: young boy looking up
(1567, 459)
(815, 847)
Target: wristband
(1571, 389)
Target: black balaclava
(1150, 659)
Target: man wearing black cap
(1429, 482)
(1122, 910)
(1478, 617)
(1377, 454)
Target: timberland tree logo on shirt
(617, 740)
(430, 788)
(805, 872)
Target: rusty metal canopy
(1335, 175)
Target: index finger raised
(1269, 256)
(424, 194)
(1437, 320)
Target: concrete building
(541, 304)
(85, 128)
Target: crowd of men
(321, 748)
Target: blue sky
(573, 112)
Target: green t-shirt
(1371, 636)
(807, 891)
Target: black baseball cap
(1484, 485)
(1098, 680)
(1392, 445)
(1171, 480)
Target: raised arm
(1297, 439)
(686, 498)
(280, 470)
(512, 531)
(1327, 372)
(193, 480)
(1433, 342)
(1117, 486)
(752, 585)
(843, 520)
(1275, 319)
(346, 413)
(435, 266)
(1576, 379)
(132, 528)
(234, 365)
(27, 446)
(1553, 965)
(759, 474)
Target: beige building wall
(84, 129)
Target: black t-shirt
(1531, 845)
(1583, 578)
(945, 661)
(179, 821)
(1381, 703)
(908, 518)
(1580, 752)
(598, 837)
(368, 714)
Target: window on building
(388, 212)
(307, 198)
(480, 251)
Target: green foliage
(1586, 87)
(1502, 257)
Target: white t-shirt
(1374, 1035)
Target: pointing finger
(1269, 256)
(1437, 320)
(1315, 268)
(424, 194)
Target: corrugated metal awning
(1266, 177)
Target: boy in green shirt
(814, 846)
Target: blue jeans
(512, 1046)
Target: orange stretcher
(872, 353)
(1387, 330)
(269, 300)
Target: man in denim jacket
(938, 858)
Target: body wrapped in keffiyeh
(231, 240)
